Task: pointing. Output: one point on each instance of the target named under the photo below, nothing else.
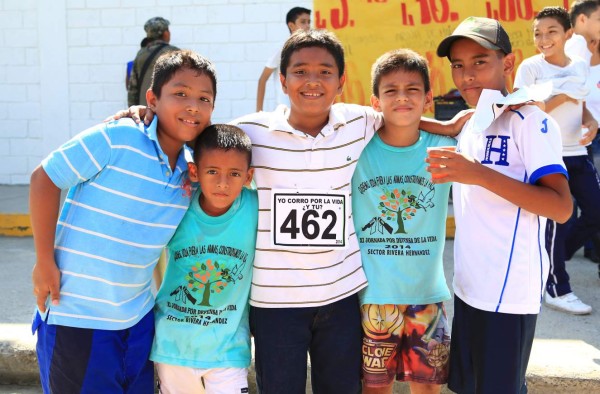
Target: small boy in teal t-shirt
(202, 329)
(400, 220)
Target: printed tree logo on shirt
(403, 205)
(207, 278)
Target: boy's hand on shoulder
(540, 104)
(46, 281)
(135, 112)
(456, 124)
(448, 166)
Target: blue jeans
(569, 237)
(331, 334)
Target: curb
(18, 366)
(19, 225)
(15, 225)
(18, 360)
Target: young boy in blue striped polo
(128, 191)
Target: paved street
(566, 349)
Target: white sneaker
(569, 303)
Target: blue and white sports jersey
(122, 208)
(500, 263)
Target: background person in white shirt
(551, 29)
(585, 20)
(297, 18)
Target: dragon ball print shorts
(405, 343)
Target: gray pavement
(565, 356)
(14, 198)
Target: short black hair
(586, 7)
(170, 62)
(557, 13)
(309, 39)
(399, 60)
(223, 137)
(294, 13)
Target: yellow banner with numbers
(368, 28)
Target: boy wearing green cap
(509, 177)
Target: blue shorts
(81, 360)
(489, 351)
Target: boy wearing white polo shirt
(126, 198)
(508, 178)
(307, 269)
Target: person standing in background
(585, 18)
(591, 249)
(158, 37)
(297, 18)
(130, 65)
(551, 31)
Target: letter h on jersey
(502, 151)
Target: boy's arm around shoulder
(450, 128)
(548, 195)
(44, 204)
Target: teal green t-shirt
(400, 221)
(201, 308)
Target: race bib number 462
(309, 219)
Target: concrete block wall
(62, 63)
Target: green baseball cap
(488, 33)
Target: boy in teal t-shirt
(201, 312)
(400, 220)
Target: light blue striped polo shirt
(122, 208)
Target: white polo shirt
(500, 263)
(288, 159)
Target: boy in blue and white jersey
(508, 178)
(93, 271)
(202, 327)
(400, 222)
